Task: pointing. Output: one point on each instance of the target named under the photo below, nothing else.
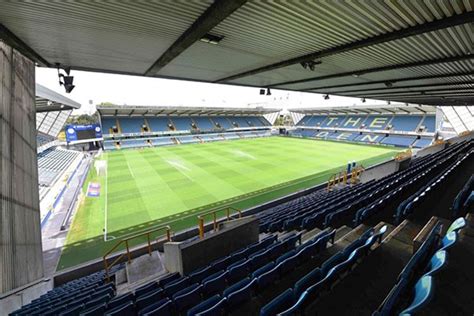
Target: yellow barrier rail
(214, 218)
(126, 241)
(403, 155)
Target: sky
(93, 88)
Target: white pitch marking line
(130, 169)
(243, 154)
(180, 167)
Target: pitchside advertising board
(77, 133)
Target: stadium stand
(158, 126)
(397, 128)
(52, 162)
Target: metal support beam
(428, 85)
(393, 80)
(379, 69)
(216, 12)
(446, 91)
(11, 39)
(375, 40)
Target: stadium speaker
(262, 91)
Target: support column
(21, 260)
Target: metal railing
(214, 218)
(126, 241)
(343, 177)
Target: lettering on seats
(322, 134)
(344, 135)
(330, 120)
(370, 138)
(352, 122)
(379, 122)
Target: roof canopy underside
(48, 100)
(128, 110)
(407, 51)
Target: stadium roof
(376, 109)
(129, 110)
(407, 51)
(47, 100)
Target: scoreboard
(78, 133)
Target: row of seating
(72, 297)
(53, 162)
(464, 201)
(356, 203)
(112, 144)
(224, 276)
(428, 260)
(43, 139)
(320, 280)
(362, 137)
(408, 123)
(433, 170)
(429, 190)
(134, 125)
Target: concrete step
(145, 268)
(307, 235)
(342, 231)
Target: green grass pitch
(171, 185)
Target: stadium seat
(149, 298)
(163, 307)
(145, 289)
(187, 297)
(279, 304)
(448, 240)
(96, 310)
(205, 305)
(437, 262)
(239, 292)
(423, 294)
(176, 285)
(169, 278)
(200, 274)
(119, 300)
(305, 282)
(215, 283)
(122, 310)
(238, 271)
(457, 225)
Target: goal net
(101, 167)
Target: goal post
(101, 167)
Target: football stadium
(338, 178)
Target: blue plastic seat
(119, 300)
(457, 225)
(280, 303)
(423, 295)
(147, 288)
(169, 278)
(268, 278)
(287, 265)
(153, 307)
(123, 310)
(437, 262)
(205, 305)
(260, 259)
(220, 264)
(200, 274)
(331, 262)
(448, 241)
(72, 311)
(161, 308)
(217, 310)
(148, 298)
(238, 271)
(187, 298)
(176, 285)
(239, 292)
(97, 301)
(97, 310)
(262, 270)
(309, 279)
(214, 283)
(296, 308)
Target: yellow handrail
(125, 241)
(214, 218)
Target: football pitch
(146, 188)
